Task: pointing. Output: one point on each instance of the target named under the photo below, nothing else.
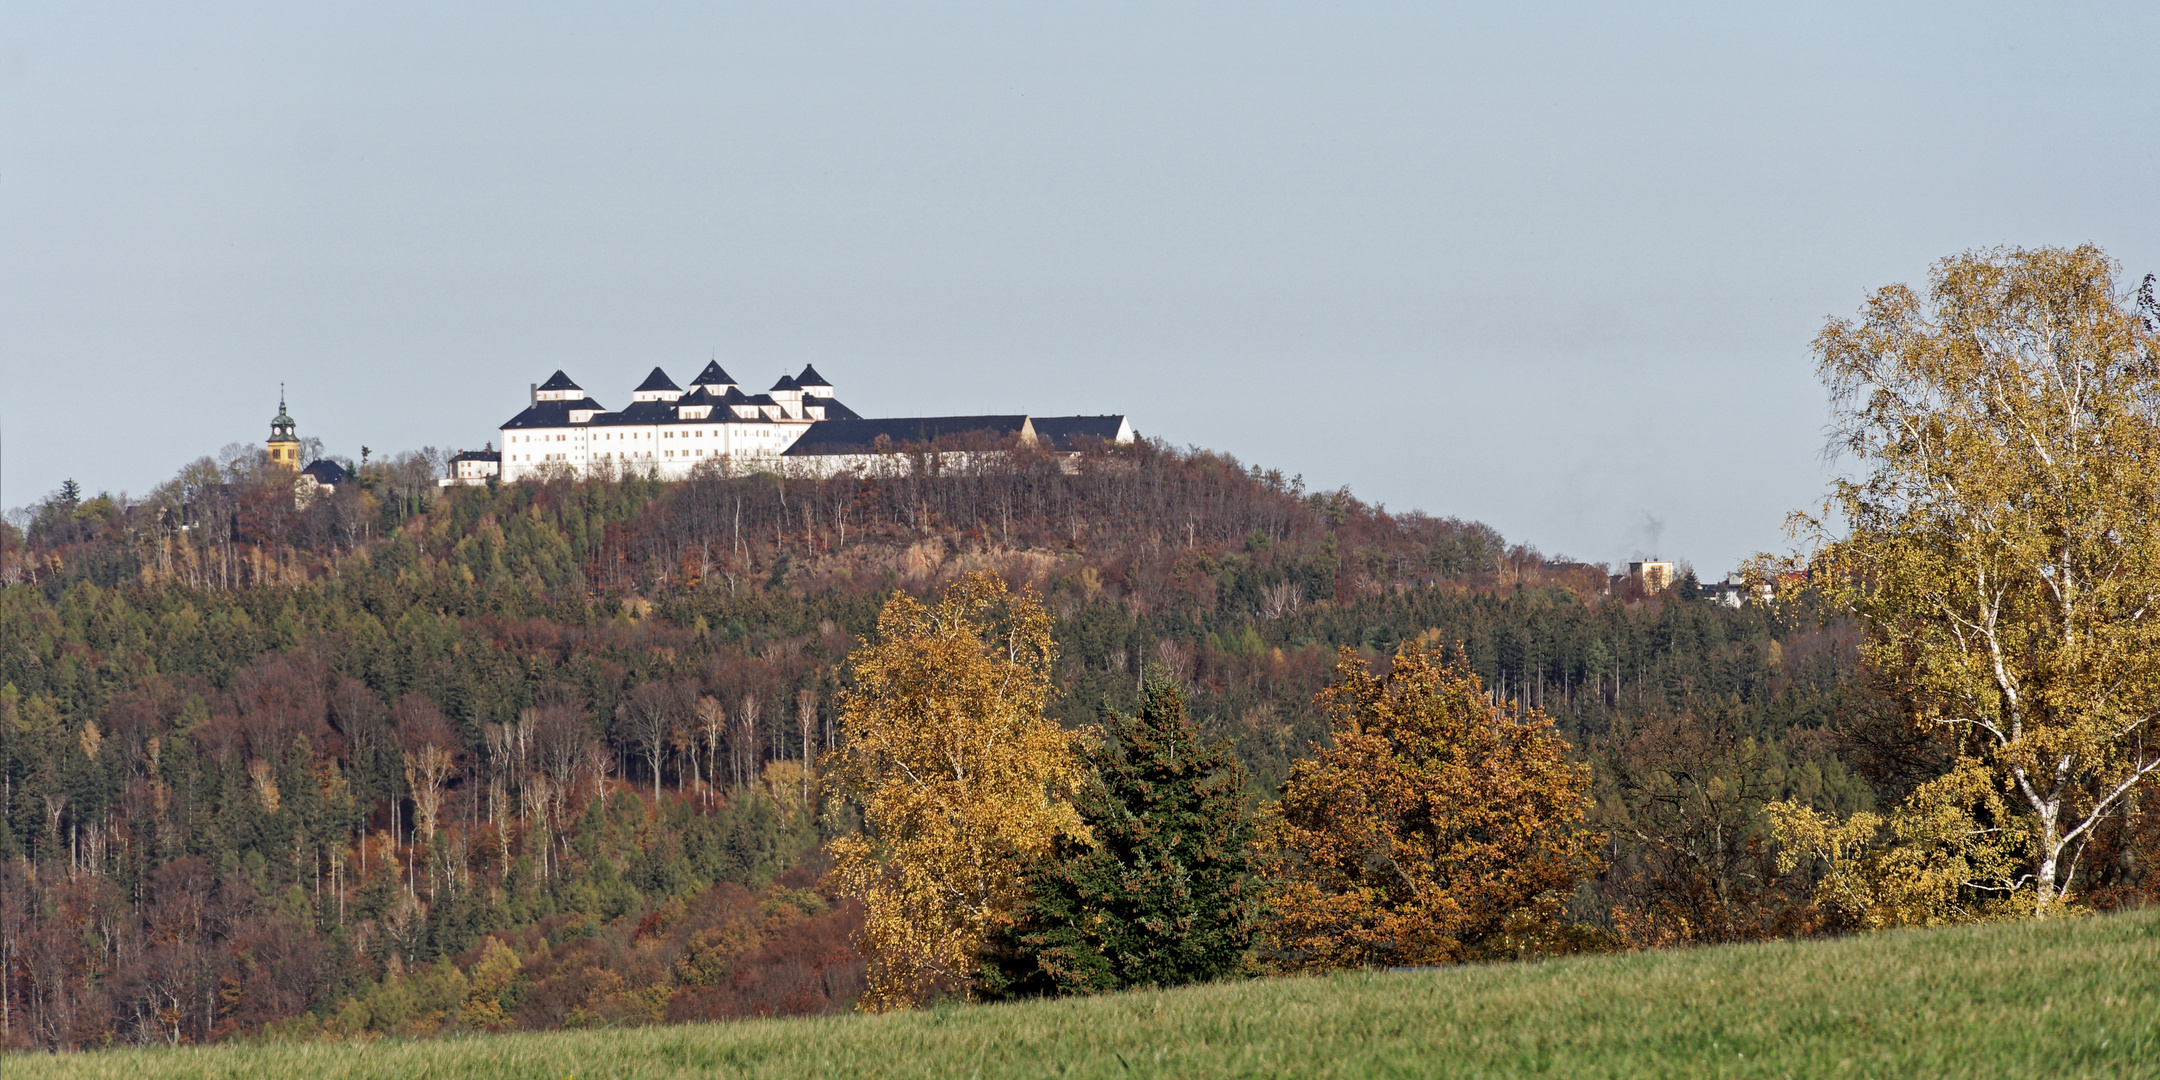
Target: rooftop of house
(858, 436)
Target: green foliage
(1162, 897)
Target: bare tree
(712, 722)
(559, 738)
(744, 746)
(806, 702)
(646, 720)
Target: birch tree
(2004, 551)
(962, 779)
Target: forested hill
(404, 759)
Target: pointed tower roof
(810, 378)
(281, 420)
(658, 380)
(785, 383)
(714, 375)
(560, 381)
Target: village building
(798, 427)
(472, 468)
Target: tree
(961, 778)
(431, 752)
(1161, 897)
(647, 720)
(2004, 550)
(1437, 828)
(711, 721)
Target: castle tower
(284, 447)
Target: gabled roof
(479, 455)
(560, 381)
(833, 409)
(861, 436)
(810, 378)
(658, 380)
(714, 375)
(544, 414)
(1068, 432)
(760, 399)
(325, 472)
(785, 383)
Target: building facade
(665, 429)
(798, 426)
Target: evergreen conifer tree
(1162, 897)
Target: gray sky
(1552, 270)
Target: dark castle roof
(861, 436)
(553, 413)
(327, 473)
(785, 383)
(833, 409)
(810, 378)
(1068, 432)
(560, 381)
(479, 455)
(658, 380)
(714, 375)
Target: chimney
(534, 389)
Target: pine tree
(1162, 897)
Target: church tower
(284, 446)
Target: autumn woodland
(577, 752)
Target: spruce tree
(1162, 897)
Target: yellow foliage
(489, 980)
(2004, 545)
(962, 781)
(1931, 862)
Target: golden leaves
(2004, 552)
(1437, 828)
(961, 778)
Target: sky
(1555, 268)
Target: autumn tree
(961, 778)
(2004, 557)
(1437, 828)
(1161, 897)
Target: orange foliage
(1438, 828)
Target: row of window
(629, 455)
(685, 433)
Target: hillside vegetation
(411, 762)
(2062, 998)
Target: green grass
(2067, 998)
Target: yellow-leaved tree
(1437, 828)
(2004, 560)
(962, 779)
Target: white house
(472, 468)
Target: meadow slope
(2066, 998)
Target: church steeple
(284, 447)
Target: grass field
(2073, 998)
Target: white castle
(797, 427)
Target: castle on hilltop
(797, 427)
